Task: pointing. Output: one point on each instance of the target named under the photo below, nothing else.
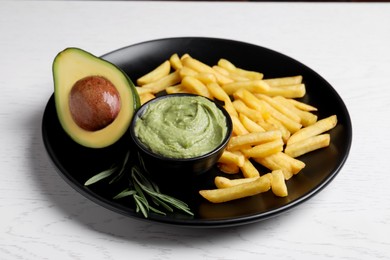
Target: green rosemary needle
(100, 176)
(145, 192)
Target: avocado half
(71, 66)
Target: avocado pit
(94, 103)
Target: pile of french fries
(270, 127)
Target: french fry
(202, 67)
(141, 90)
(217, 92)
(278, 184)
(255, 86)
(290, 163)
(249, 170)
(223, 182)
(268, 175)
(232, 158)
(289, 91)
(307, 118)
(249, 124)
(291, 125)
(283, 81)
(231, 111)
(319, 127)
(159, 72)
(175, 61)
(272, 164)
(281, 161)
(176, 89)
(228, 168)
(185, 55)
(251, 75)
(164, 82)
(238, 127)
(243, 190)
(307, 145)
(146, 97)
(252, 139)
(226, 64)
(242, 108)
(302, 106)
(236, 77)
(206, 78)
(220, 70)
(230, 74)
(195, 86)
(251, 101)
(279, 106)
(185, 71)
(265, 149)
(272, 124)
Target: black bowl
(167, 170)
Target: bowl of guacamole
(180, 135)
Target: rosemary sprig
(100, 176)
(145, 192)
(122, 170)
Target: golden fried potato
(237, 191)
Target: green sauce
(181, 126)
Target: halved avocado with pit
(95, 100)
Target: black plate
(76, 164)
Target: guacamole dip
(181, 126)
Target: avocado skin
(73, 64)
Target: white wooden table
(42, 217)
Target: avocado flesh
(73, 64)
